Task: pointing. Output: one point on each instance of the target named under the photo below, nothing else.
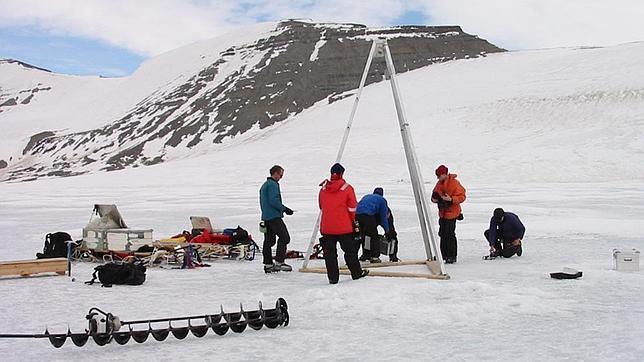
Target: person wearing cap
(505, 234)
(448, 194)
(337, 201)
(371, 212)
(270, 201)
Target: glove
(391, 234)
(288, 211)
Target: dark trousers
(275, 228)
(447, 233)
(503, 246)
(369, 233)
(394, 254)
(350, 248)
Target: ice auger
(104, 327)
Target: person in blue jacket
(505, 234)
(371, 212)
(270, 201)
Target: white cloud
(529, 24)
(149, 27)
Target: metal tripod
(380, 49)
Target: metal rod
(343, 144)
(418, 185)
(40, 335)
(142, 321)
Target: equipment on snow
(55, 245)
(567, 273)
(119, 273)
(106, 231)
(626, 260)
(105, 327)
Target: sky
(112, 37)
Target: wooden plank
(382, 273)
(367, 265)
(29, 267)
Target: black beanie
(498, 213)
(337, 168)
(379, 191)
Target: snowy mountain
(181, 103)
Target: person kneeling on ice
(337, 202)
(371, 212)
(505, 234)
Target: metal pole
(343, 144)
(418, 185)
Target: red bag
(209, 238)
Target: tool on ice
(567, 273)
(104, 327)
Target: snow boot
(364, 273)
(283, 266)
(364, 257)
(270, 268)
(375, 260)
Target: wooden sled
(26, 268)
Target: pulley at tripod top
(380, 48)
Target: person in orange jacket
(337, 201)
(448, 194)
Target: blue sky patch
(66, 54)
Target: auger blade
(102, 338)
(56, 340)
(214, 319)
(198, 331)
(140, 336)
(79, 339)
(237, 324)
(281, 303)
(160, 334)
(180, 332)
(255, 318)
(122, 337)
(220, 328)
(238, 327)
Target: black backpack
(119, 273)
(240, 236)
(55, 245)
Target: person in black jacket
(505, 234)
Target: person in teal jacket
(270, 201)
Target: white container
(626, 260)
(109, 232)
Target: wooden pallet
(432, 273)
(26, 268)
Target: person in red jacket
(448, 194)
(337, 202)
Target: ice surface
(555, 136)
